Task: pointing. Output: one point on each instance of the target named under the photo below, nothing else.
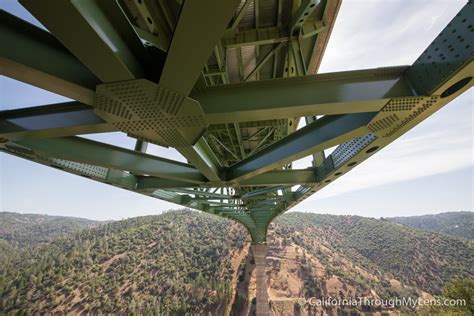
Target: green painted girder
(66, 76)
(99, 154)
(55, 120)
(209, 17)
(155, 20)
(238, 17)
(270, 178)
(204, 193)
(397, 95)
(181, 69)
(322, 134)
(323, 94)
(152, 183)
(264, 191)
(312, 28)
(303, 14)
(281, 177)
(327, 94)
(318, 157)
(203, 158)
(109, 176)
(449, 51)
(255, 37)
(141, 146)
(287, 196)
(102, 49)
(443, 72)
(264, 60)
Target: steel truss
(223, 82)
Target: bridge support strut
(260, 255)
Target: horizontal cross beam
(99, 154)
(87, 30)
(55, 120)
(270, 178)
(322, 94)
(325, 94)
(34, 56)
(322, 134)
(255, 37)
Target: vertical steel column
(260, 255)
(141, 146)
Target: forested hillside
(424, 259)
(179, 261)
(186, 261)
(452, 223)
(22, 230)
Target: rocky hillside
(452, 223)
(186, 261)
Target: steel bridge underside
(225, 83)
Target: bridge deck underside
(137, 67)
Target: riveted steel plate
(349, 149)
(449, 51)
(151, 112)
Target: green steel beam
(326, 94)
(450, 50)
(209, 17)
(304, 11)
(99, 154)
(264, 191)
(319, 156)
(169, 197)
(141, 146)
(322, 134)
(263, 61)
(203, 158)
(84, 28)
(181, 69)
(152, 183)
(55, 120)
(296, 56)
(236, 20)
(312, 28)
(34, 56)
(281, 177)
(256, 37)
(444, 71)
(122, 180)
(323, 94)
(250, 189)
(270, 178)
(109, 176)
(239, 139)
(154, 21)
(121, 25)
(156, 41)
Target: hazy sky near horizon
(428, 170)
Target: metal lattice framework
(223, 82)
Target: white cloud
(375, 33)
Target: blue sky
(428, 170)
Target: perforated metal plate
(349, 149)
(82, 168)
(151, 112)
(446, 53)
(402, 121)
